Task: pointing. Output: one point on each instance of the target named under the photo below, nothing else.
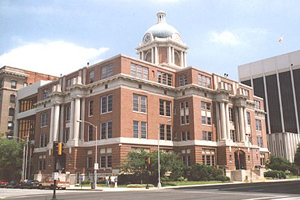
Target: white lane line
(269, 197)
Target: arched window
(148, 57)
(177, 58)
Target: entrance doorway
(240, 159)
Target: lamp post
(24, 155)
(158, 154)
(249, 136)
(96, 155)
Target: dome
(161, 29)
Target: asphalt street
(287, 190)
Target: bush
(222, 178)
(203, 173)
(182, 179)
(85, 182)
(275, 174)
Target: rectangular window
(205, 113)
(13, 84)
(209, 136)
(203, 160)
(91, 107)
(169, 136)
(162, 132)
(139, 71)
(248, 119)
(204, 135)
(89, 162)
(135, 129)
(258, 124)
(44, 119)
(259, 141)
(164, 78)
(103, 130)
(107, 71)
(230, 114)
(66, 136)
(232, 135)
(109, 129)
(102, 162)
(91, 76)
(184, 113)
(90, 131)
(106, 104)
(11, 111)
(45, 94)
(208, 160)
(165, 108)
(213, 160)
(143, 130)
(68, 113)
(183, 80)
(69, 82)
(204, 81)
(12, 98)
(185, 135)
(109, 161)
(139, 103)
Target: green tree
(297, 156)
(279, 163)
(169, 162)
(10, 159)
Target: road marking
(270, 197)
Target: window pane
(133, 70)
(168, 108)
(143, 104)
(169, 132)
(159, 77)
(110, 103)
(170, 79)
(135, 129)
(139, 71)
(102, 162)
(103, 130)
(161, 107)
(135, 102)
(109, 161)
(103, 105)
(109, 129)
(110, 71)
(162, 132)
(104, 72)
(145, 73)
(143, 130)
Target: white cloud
(226, 38)
(55, 58)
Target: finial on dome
(161, 16)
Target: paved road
(257, 191)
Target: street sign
(96, 166)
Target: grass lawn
(178, 183)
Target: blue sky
(60, 36)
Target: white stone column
(82, 118)
(223, 120)
(76, 118)
(61, 125)
(51, 125)
(245, 120)
(173, 56)
(72, 120)
(152, 55)
(169, 55)
(185, 65)
(181, 59)
(55, 122)
(236, 124)
(142, 55)
(242, 125)
(218, 120)
(227, 121)
(156, 55)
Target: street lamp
(24, 155)
(96, 163)
(158, 154)
(249, 136)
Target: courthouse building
(133, 102)
(277, 80)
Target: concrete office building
(11, 80)
(277, 81)
(204, 117)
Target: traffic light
(148, 162)
(57, 148)
(60, 148)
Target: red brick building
(204, 117)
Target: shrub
(222, 178)
(275, 174)
(85, 182)
(203, 173)
(182, 179)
